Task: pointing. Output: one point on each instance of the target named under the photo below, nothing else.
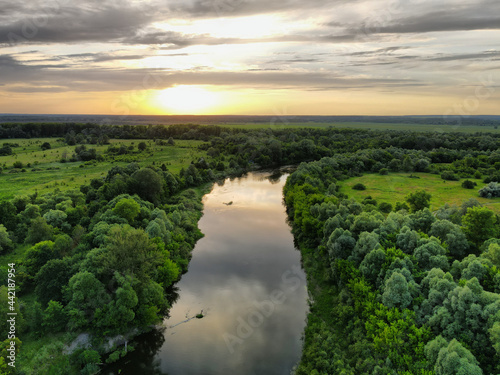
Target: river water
(245, 277)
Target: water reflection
(245, 276)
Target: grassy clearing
(395, 186)
(282, 124)
(50, 173)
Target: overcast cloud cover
(416, 49)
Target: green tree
(396, 292)
(55, 218)
(493, 254)
(128, 209)
(147, 184)
(6, 244)
(51, 279)
(39, 231)
(54, 317)
(455, 359)
(478, 224)
(418, 200)
(38, 255)
(85, 295)
(130, 252)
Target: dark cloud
(237, 8)
(106, 22)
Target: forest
(396, 288)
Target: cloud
(493, 55)
(103, 79)
(103, 22)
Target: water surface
(246, 278)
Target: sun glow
(186, 100)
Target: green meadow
(45, 172)
(395, 187)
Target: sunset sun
(186, 100)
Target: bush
(359, 186)
(383, 171)
(385, 207)
(46, 146)
(449, 176)
(492, 190)
(468, 184)
(401, 206)
(18, 164)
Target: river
(245, 277)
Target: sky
(250, 57)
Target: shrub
(492, 190)
(385, 207)
(359, 186)
(449, 176)
(383, 171)
(46, 146)
(468, 184)
(18, 164)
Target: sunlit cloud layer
(249, 56)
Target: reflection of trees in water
(172, 295)
(142, 360)
(275, 178)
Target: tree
(408, 164)
(366, 243)
(396, 293)
(468, 184)
(6, 244)
(147, 184)
(142, 146)
(51, 279)
(130, 252)
(407, 240)
(493, 254)
(127, 208)
(418, 200)
(54, 317)
(478, 224)
(359, 186)
(55, 218)
(45, 146)
(85, 294)
(39, 231)
(340, 244)
(431, 255)
(8, 214)
(38, 255)
(385, 207)
(455, 359)
(450, 233)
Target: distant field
(395, 186)
(283, 123)
(71, 175)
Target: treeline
(408, 292)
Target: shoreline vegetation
(98, 253)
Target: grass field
(281, 123)
(50, 173)
(395, 186)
